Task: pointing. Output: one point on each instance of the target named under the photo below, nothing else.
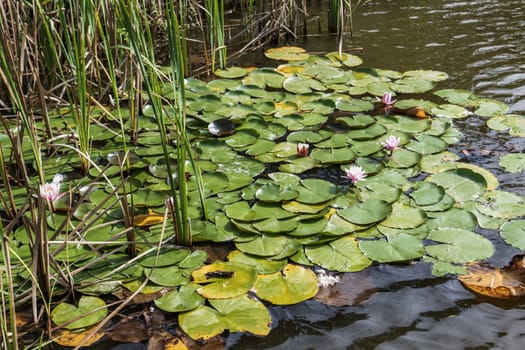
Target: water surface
(481, 45)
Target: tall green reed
(141, 43)
(215, 15)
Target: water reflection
(481, 45)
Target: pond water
(481, 45)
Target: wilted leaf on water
(163, 340)
(137, 327)
(70, 338)
(505, 283)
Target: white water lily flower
(387, 99)
(391, 143)
(51, 191)
(326, 280)
(354, 174)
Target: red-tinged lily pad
(291, 286)
(239, 314)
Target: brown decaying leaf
(66, 337)
(137, 327)
(214, 343)
(163, 340)
(354, 288)
(505, 283)
(215, 251)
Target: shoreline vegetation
(66, 68)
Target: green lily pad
(475, 172)
(514, 123)
(396, 248)
(347, 59)
(341, 255)
(513, 232)
(459, 97)
(427, 144)
(273, 193)
(491, 108)
(461, 184)
(404, 158)
(337, 226)
(316, 191)
(512, 162)
(242, 138)
(299, 165)
(239, 314)
(260, 265)
(287, 53)
(431, 163)
(404, 216)
(453, 217)
(369, 133)
(501, 204)
(273, 225)
(166, 257)
(333, 155)
(450, 111)
(431, 75)
(231, 72)
(353, 105)
(183, 298)
(291, 286)
(458, 245)
(224, 279)
(412, 86)
(369, 212)
(302, 85)
(169, 276)
(427, 193)
(90, 310)
(411, 102)
(263, 245)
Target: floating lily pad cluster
(284, 209)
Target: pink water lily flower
(303, 149)
(387, 99)
(391, 143)
(51, 191)
(354, 174)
